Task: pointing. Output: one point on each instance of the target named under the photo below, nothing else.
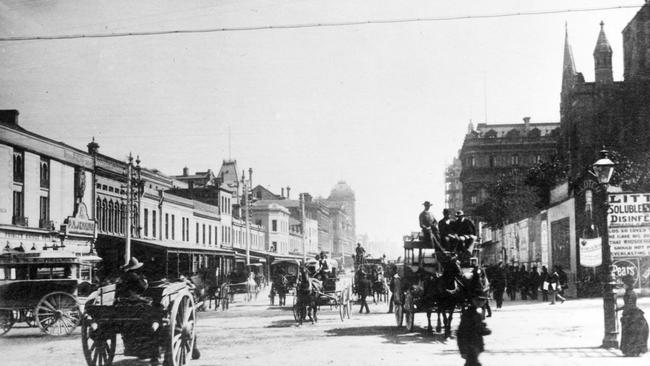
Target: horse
(308, 291)
(380, 289)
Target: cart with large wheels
(42, 290)
(159, 324)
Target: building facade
(453, 187)
(494, 149)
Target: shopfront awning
(178, 247)
(241, 257)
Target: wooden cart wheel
(296, 313)
(57, 313)
(7, 320)
(409, 311)
(182, 329)
(98, 346)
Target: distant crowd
(518, 282)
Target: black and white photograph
(324, 182)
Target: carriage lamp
(603, 168)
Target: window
(491, 161)
(146, 222)
(203, 236)
(104, 215)
(19, 166)
(274, 225)
(474, 199)
(210, 235)
(166, 226)
(515, 159)
(472, 161)
(216, 241)
(110, 216)
(173, 226)
(45, 173)
(44, 217)
(197, 233)
(538, 159)
(153, 224)
(187, 229)
(98, 210)
(123, 219)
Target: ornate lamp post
(603, 170)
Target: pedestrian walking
(543, 279)
(485, 285)
(554, 287)
(364, 290)
(471, 331)
(634, 327)
(533, 279)
(499, 284)
(523, 282)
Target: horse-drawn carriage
(432, 280)
(331, 290)
(159, 324)
(284, 276)
(43, 289)
(377, 271)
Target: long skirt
(634, 332)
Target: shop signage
(628, 220)
(80, 224)
(626, 267)
(591, 251)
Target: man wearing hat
(466, 232)
(445, 228)
(428, 224)
(132, 283)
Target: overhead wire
(309, 25)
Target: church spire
(569, 73)
(603, 58)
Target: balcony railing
(20, 220)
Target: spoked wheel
(7, 321)
(409, 311)
(181, 329)
(57, 313)
(98, 346)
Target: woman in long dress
(634, 327)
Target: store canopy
(287, 260)
(184, 247)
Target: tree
(509, 200)
(543, 176)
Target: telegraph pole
(245, 194)
(304, 227)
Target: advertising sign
(628, 222)
(625, 267)
(591, 251)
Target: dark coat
(131, 284)
(464, 227)
(470, 333)
(365, 287)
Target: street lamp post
(603, 169)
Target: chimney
(9, 116)
(288, 192)
(282, 192)
(186, 171)
(307, 197)
(526, 123)
(93, 147)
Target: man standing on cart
(466, 232)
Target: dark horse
(308, 290)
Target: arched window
(515, 159)
(122, 218)
(98, 212)
(491, 161)
(18, 166)
(535, 132)
(45, 173)
(514, 133)
(491, 134)
(116, 218)
(104, 214)
(110, 216)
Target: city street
(255, 333)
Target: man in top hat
(132, 283)
(428, 224)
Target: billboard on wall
(522, 234)
(628, 226)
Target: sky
(383, 107)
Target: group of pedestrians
(527, 284)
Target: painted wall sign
(628, 220)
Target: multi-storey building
(493, 149)
(453, 187)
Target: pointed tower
(603, 58)
(569, 74)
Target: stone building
(493, 149)
(605, 112)
(453, 187)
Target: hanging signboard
(591, 252)
(628, 222)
